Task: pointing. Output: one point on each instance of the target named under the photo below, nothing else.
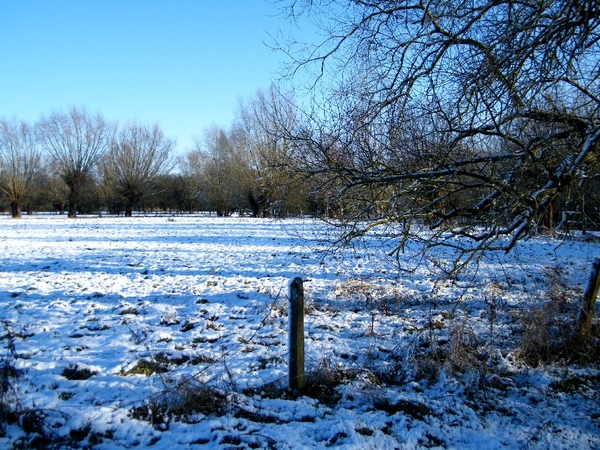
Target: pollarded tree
(272, 188)
(472, 116)
(192, 169)
(20, 161)
(138, 156)
(75, 142)
(107, 186)
(225, 170)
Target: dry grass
(182, 401)
(467, 351)
(74, 372)
(321, 383)
(548, 327)
(145, 367)
(191, 397)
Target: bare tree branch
(472, 118)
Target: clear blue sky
(182, 63)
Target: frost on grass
(147, 332)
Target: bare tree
(107, 185)
(192, 169)
(20, 160)
(473, 117)
(138, 156)
(75, 141)
(58, 193)
(272, 188)
(225, 170)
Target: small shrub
(322, 382)
(74, 372)
(166, 359)
(466, 351)
(187, 326)
(430, 441)
(78, 435)
(152, 413)
(40, 427)
(272, 390)
(191, 397)
(428, 365)
(429, 355)
(132, 310)
(202, 359)
(280, 309)
(66, 395)
(182, 401)
(577, 383)
(32, 422)
(547, 328)
(416, 410)
(170, 319)
(543, 336)
(144, 367)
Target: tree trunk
(74, 193)
(16, 209)
(72, 208)
(257, 204)
(548, 217)
(128, 209)
(114, 208)
(584, 323)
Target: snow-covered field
(170, 332)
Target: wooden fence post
(588, 308)
(296, 334)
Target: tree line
(76, 162)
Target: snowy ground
(171, 333)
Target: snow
(206, 299)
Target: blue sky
(182, 63)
